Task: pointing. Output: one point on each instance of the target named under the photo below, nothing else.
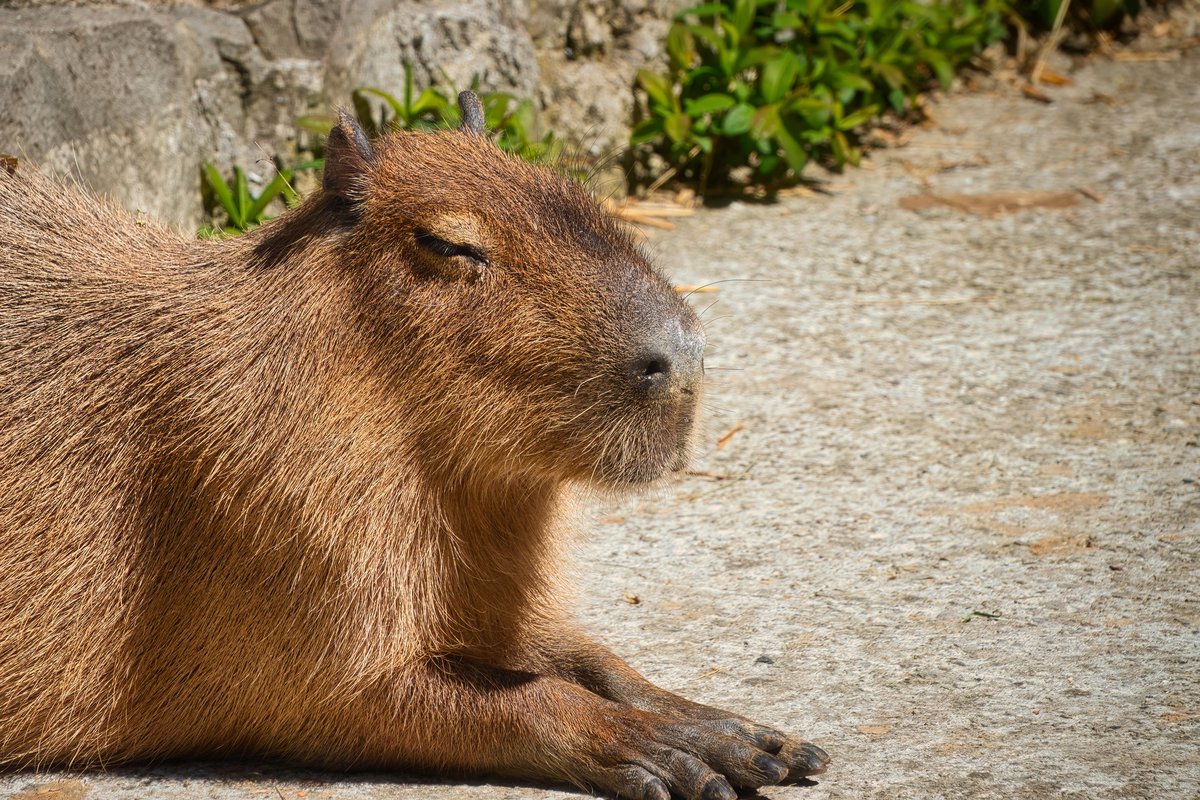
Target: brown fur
(296, 494)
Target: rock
(131, 98)
(110, 95)
(454, 39)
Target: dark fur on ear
(471, 118)
(348, 158)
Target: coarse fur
(297, 494)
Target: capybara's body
(295, 494)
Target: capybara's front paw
(646, 756)
(803, 759)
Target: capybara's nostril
(673, 356)
(651, 371)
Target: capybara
(296, 495)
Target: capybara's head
(535, 334)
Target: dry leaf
(58, 790)
(1149, 55)
(1062, 544)
(724, 440)
(992, 204)
(632, 599)
(1034, 93)
(1053, 78)
(9, 163)
(874, 730)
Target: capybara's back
(295, 494)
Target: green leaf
(702, 10)
(658, 87)
(756, 56)
(765, 123)
(728, 48)
(891, 75)
(708, 103)
(220, 190)
(524, 119)
(708, 36)
(241, 196)
(851, 80)
(317, 124)
(495, 108)
(805, 104)
(646, 131)
(681, 47)
(941, 67)
(778, 75)
(743, 16)
(793, 151)
(408, 90)
(431, 102)
(277, 186)
(860, 117)
(738, 120)
(768, 164)
(677, 127)
(399, 113)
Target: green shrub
(767, 85)
(512, 122)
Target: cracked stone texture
(131, 96)
(956, 538)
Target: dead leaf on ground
(632, 599)
(873, 730)
(58, 790)
(1064, 502)
(1181, 714)
(1053, 78)
(729, 434)
(992, 204)
(9, 163)
(648, 213)
(1148, 55)
(1034, 93)
(1062, 544)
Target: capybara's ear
(470, 118)
(348, 158)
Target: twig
(724, 440)
(933, 301)
(1051, 42)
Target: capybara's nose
(672, 357)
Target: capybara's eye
(447, 249)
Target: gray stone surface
(941, 414)
(131, 96)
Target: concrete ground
(955, 536)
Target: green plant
(513, 124)
(243, 209)
(1087, 14)
(766, 85)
